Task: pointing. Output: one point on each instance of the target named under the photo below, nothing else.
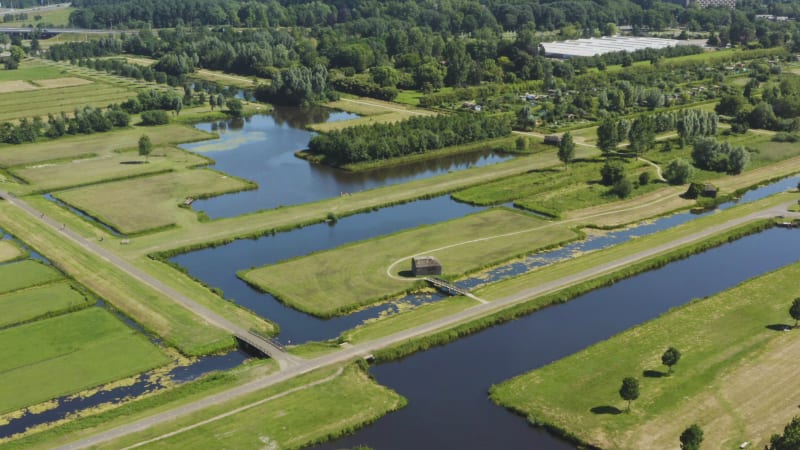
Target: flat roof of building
(606, 44)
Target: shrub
(155, 117)
(644, 178)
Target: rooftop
(606, 44)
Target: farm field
(31, 71)
(85, 348)
(146, 203)
(226, 78)
(58, 17)
(40, 102)
(9, 251)
(98, 144)
(27, 304)
(23, 274)
(77, 172)
(734, 378)
(322, 284)
(341, 399)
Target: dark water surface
(447, 386)
(261, 148)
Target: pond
(261, 148)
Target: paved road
(364, 349)
(284, 359)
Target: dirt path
(284, 359)
(367, 348)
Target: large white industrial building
(606, 44)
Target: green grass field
(342, 279)
(47, 177)
(98, 144)
(40, 102)
(58, 17)
(146, 203)
(372, 111)
(309, 414)
(9, 251)
(735, 377)
(27, 304)
(69, 353)
(31, 71)
(20, 275)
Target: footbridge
(446, 287)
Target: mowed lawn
(299, 418)
(146, 203)
(372, 111)
(98, 144)
(24, 274)
(736, 378)
(31, 71)
(69, 173)
(27, 304)
(66, 354)
(342, 279)
(9, 251)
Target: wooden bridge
(447, 288)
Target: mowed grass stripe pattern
(717, 382)
(146, 203)
(17, 105)
(25, 274)
(340, 280)
(27, 304)
(66, 354)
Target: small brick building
(425, 265)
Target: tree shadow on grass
(133, 162)
(606, 409)
(779, 327)
(653, 374)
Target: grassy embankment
(9, 251)
(65, 354)
(342, 402)
(371, 111)
(153, 310)
(337, 281)
(735, 378)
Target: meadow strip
(23, 274)
(25, 305)
(10, 251)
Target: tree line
(86, 120)
(415, 135)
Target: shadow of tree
(779, 327)
(606, 409)
(653, 374)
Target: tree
(145, 146)
(642, 134)
(607, 138)
(678, 171)
(235, 107)
(612, 172)
(566, 149)
(789, 440)
(622, 188)
(644, 178)
(670, 357)
(692, 437)
(629, 390)
(212, 101)
(794, 311)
